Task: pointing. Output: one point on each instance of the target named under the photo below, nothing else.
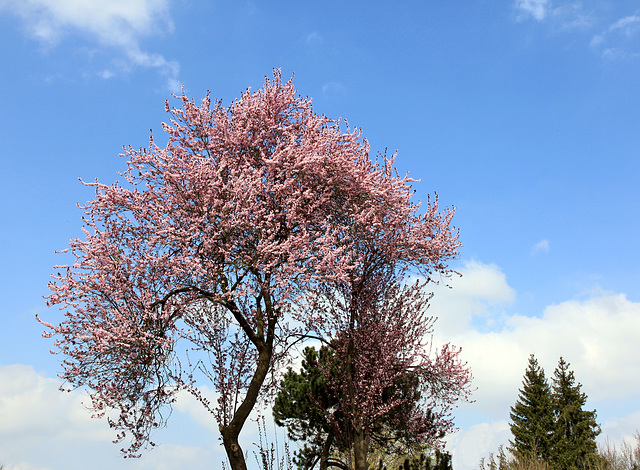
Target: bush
(608, 457)
(627, 457)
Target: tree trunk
(233, 449)
(231, 431)
(326, 451)
(360, 448)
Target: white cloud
(333, 88)
(171, 457)
(537, 9)
(621, 429)
(42, 428)
(598, 335)
(313, 38)
(477, 442)
(541, 246)
(618, 40)
(572, 16)
(36, 417)
(29, 401)
(565, 16)
(482, 293)
(188, 404)
(118, 24)
(23, 466)
(628, 25)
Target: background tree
(214, 241)
(309, 409)
(383, 339)
(532, 415)
(302, 405)
(438, 460)
(575, 429)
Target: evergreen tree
(532, 415)
(309, 408)
(438, 460)
(301, 406)
(575, 429)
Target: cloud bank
(598, 335)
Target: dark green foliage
(310, 410)
(575, 429)
(549, 423)
(301, 406)
(532, 415)
(439, 460)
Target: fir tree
(575, 429)
(532, 415)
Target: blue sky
(525, 115)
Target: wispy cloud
(333, 87)
(617, 41)
(564, 16)
(541, 247)
(116, 24)
(313, 38)
(536, 9)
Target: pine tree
(532, 415)
(575, 430)
(309, 408)
(301, 406)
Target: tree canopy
(310, 410)
(386, 386)
(214, 242)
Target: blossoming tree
(215, 241)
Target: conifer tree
(439, 460)
(301, 406)
(532, 415)
(575, 430)
(309, 408)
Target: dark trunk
(360, 448)
(264, 344)
(326, 451)
(233, 449)
(231, 431)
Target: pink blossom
(212, 241)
